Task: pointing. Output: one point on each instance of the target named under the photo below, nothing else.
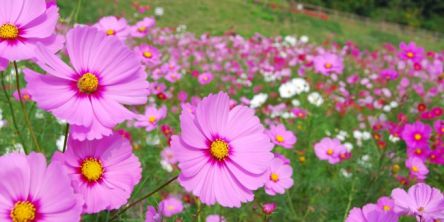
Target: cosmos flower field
(125, 120)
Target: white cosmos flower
(158, 11)
(315, 98)
(301, 85)
(304, 39)
(287, 90)
(258, 100)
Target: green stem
(25, 113)
(142, 198)
(66, 137)
(11, 109)
(350, 199)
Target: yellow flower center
(92, 169)
(418, 151)
(410, 54)
(219, 149)
(88, 83)
(152, 119)
(415, 169)
(141, 29)
(274, 177)
(328, 65)
(110, 32)
(26, 97)
(417, 136)
(330, 152)
(147, 55)
(23, 211)
(387, 208)
(279, 138)
(8, 31)
(170, 207)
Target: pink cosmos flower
(299, 113)
(152, 215)
(205, 78)
(103, 171)
(168, 155)
(170, 206)
(151, 118)
(23, 25)
(389, 74)
(421, 200)
(417, 167)
(371, 213)
(421, 152)
(223, 153)
(215, 218)
(330, 150)
(25, 95)
(141, 28)
(31, 191)
(149, 55)
(91, 96)
(439, 127)
(411, 52)
(113, 26)
(281, 136)
(416, 134)
(328, 63)
(386, 204)
(280, 177)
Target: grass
(244, 17)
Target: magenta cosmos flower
(215, 218)
(141, 28)
(411, 52)
(281, 136)
(151, 118)
(113, 26)
(328, 63)
(223, 153)
(371, 213)
(149, 55)
(23, 24)
(280, 177)
(31, 191)
(386, 204)
(170, 206)
(416, 134)
(420, 200)
(91, 96)
(330, 150)
(103, 171)
(205, 78)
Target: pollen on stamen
(274, 177)
(110, 32)
(92, 169)
(279, 138)
(328, 65)
(9, 31)
(147, 55)
(88, 83)
(23, 211)
(219, 149)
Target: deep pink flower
(439, 127)
(411, 52)
(219, 148)
(281, 136)
(32, 191)
(170, 206)
(268, 208)
(417, 167)
(389, 74)
(371, 213)
(421, 152)
(420, 200)
(152, 215)
(113, 26)
(151, 118)
(416, 134)
(90, 97)
(205, 78)
(103, 171)
(330, 150)
(149, 55)
(299, 113)
(23, 25)
(141, 28)
(280, 177)
(328, 63)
